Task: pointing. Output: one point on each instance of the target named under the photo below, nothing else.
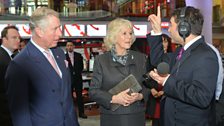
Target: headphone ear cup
(184, 29)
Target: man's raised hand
(155, 21)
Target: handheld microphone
(163, 69)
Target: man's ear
(39, 32)
(3, 40)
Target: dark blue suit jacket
(4, 110)
(190, 89)
(37, 95)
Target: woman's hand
(125, 98)
(136, 97)
(122, 98)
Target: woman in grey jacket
(112, 67)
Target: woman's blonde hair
(113, 29)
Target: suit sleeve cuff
(155, 34)
(165, 80)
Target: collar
(131, 59)
(39, 48)
(7, 50)
(70, 53)
(191, 42)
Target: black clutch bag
(129, 82)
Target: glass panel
(83, 9)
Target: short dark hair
(193, 16)
(5, 30)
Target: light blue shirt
(220, 74)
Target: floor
(93, 117)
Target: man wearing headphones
(190, 87)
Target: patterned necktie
(52, 61)
(180, 54)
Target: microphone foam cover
(163, 68)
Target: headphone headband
(182, 13)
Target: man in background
(10, 43)
(75, 63)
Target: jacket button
(53, 90)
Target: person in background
(6, 4)
(22, 45)
(10, 42)
(38, 78)
(219, 105)
(219, 89)
(75, 63)
(36, 3)
(219, 45)
(107, 4)
(112, 67)
(18, 6)
(190, 86)
(156, 92)
(57, 5)
(102, 49)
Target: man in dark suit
(10, 42)
(75, 63)
(190, 87)
(38, 80)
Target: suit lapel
(186, 54)
(42, 63)
(59, 60)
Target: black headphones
(184, 28)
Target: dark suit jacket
(190, 89)
(37, 95)
(4, 110)
(76, 70)
(107, 73)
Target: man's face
(52, 32)
(69, 47)
(12, 40)
(173, 30)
